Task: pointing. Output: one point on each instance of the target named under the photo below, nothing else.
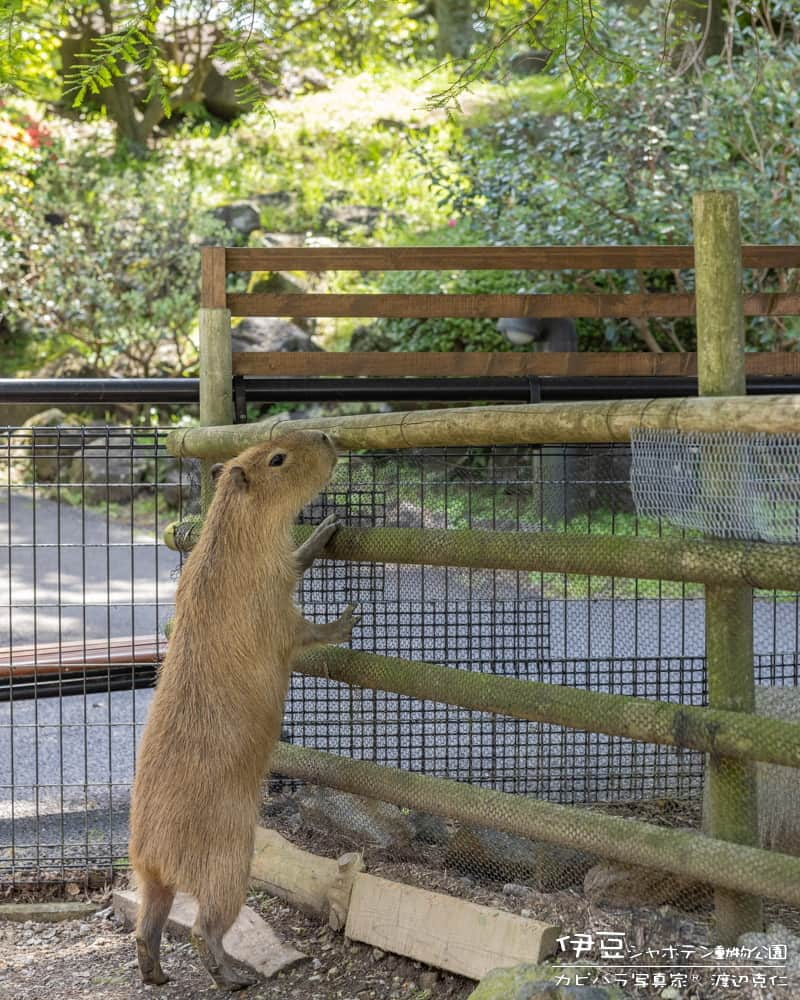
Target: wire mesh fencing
(90, 587)
(87, 588)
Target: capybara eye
(277, 459)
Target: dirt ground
(79, 960)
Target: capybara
(216, 713)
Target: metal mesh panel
(86, 565)
(86, 588)
(729, 485)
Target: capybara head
(283, 475)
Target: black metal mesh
(87, 586)
(84, 572)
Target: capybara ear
(239, 478)
(216, 469)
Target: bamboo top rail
(539, 423)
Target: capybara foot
(150, 968)
(229, 979)
(224, 975)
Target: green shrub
(626, 174)
(447, 334)
(103, 255)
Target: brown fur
(217, 710)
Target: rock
(529, 62)
(782, 937)
(515, 889)
(270, 333)
(276, 282)
(361, 820)
(283, 239)
(109, 474)
(369, 338)
(250, 941)
(544, 867)
(279, 283)
(70, 364)
(44, 448)
(336, 217)
(429, 829)
(46, 913)
(275, 199)
(631, 885)
(538, 982)
(222, 95)
(240, 218)
(428, 980)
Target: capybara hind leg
(209, 929)
(156, 902)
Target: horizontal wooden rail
(754, 564)
(733, 734)
(76, 657)
(532, 258)
(722, 863)
(574, 305)
(477, 364)
(539, 423)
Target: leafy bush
(626, 174)
(448, 334)
(105, 254)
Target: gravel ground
(96, 959)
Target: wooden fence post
(216, 378)
(731, 793)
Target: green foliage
(627, 176)
(133, 43)
(447, 334)
(105, 256)
(28, 46)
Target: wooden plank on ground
(250, 941)
(536, 258)
(510, 364)
(316, 885)
(442, 931)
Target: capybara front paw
(323, 533)
(342, 628)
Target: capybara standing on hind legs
(217, 709)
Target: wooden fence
(740, 871)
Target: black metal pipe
(85, 682)
(550, 388)
(85, 392)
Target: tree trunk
(709, 15)
(454, 20)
